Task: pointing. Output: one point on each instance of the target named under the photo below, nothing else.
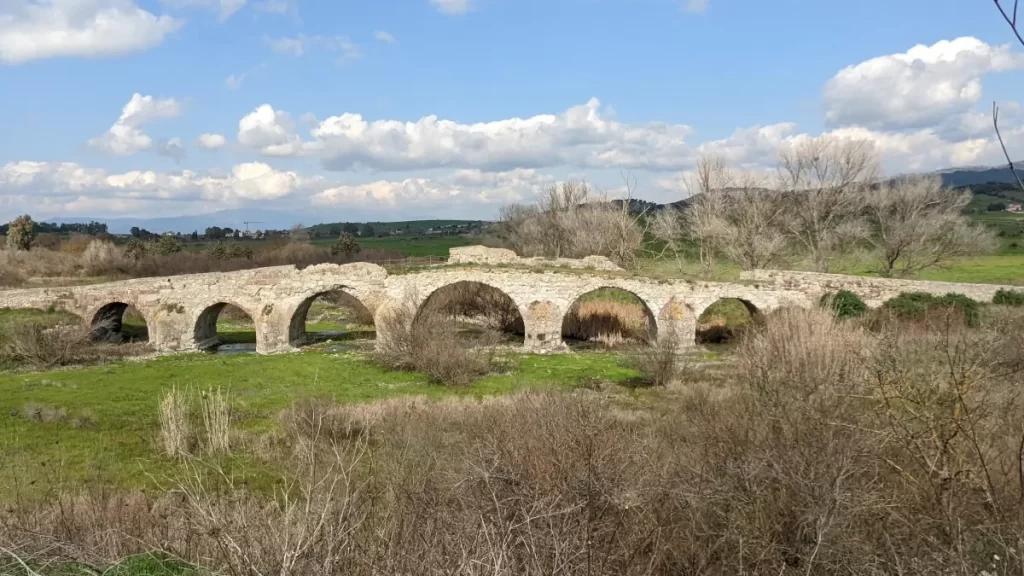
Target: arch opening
(225, 327)
(608, 317)
(330, 318)
(478, 310)
(725, 321)
(119, 322)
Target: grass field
(99, 424)
(414, 247)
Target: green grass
(110, 432)
(416, 247)
(45, 317)
(612, 294)
(140, 565)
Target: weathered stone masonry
(181, 311)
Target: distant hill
(975, 175)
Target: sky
(404, 109)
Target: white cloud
(288, 46)
(273, 6)
(70, 182)
(468, 186)
(38, 29)
(580, 136)
(69, 188)
(270, 131)
(225, 8)
(698, 6)
(384, 36)
(211, 141)
(126, 136)
(234, 81)
(453, 6)
(345, 49)
(916, 88)
(172, 148)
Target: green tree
(135, 249)
(367, 231)
(164, 245)
(350, 228)
(21, 233)
(346, 245)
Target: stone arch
(107, 322)
(630, 318)
(713, 330)
(473, 299)
(297, 334)
(205, 335)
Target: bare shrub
(36, 344)
(659, 363)
(826, 449)
(429, 342)
(99, 257)
(216, 414)
(175, 427)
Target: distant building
(1014, 208)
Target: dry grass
(175, 428)
(608, 321)
(216, 413)
(38, 343)
(824, 449)
(82, 256)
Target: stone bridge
(181, 311)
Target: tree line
(824, 201)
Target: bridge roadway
(181, 311)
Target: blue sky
(325, 107)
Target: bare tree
(706, 189)
(825, 180)
(298, 233)
(567, 222)
(745, 222)
(667, 226)
(915, 223)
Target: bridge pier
(543, 322)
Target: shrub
(21, 233)
(659, 363)
(844, 304)
(346, 245)
(1007, 297)
(429, 342)
(135, 249)
(234, 250)
(917, 305)
(164, 245)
